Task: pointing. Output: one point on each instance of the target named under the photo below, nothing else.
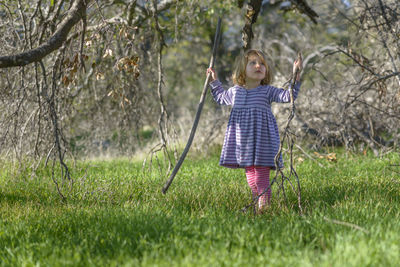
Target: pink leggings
(258, 180)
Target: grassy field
(116, 216)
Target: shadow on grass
(331, 195)
(12, 198)
(102, 233)
(109, 233)
(25, 195)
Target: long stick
(198, 113)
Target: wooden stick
(198, 113)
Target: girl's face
(255, 69)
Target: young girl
(252, 138)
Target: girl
(252, 138)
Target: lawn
(115, 215)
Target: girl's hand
(213, 75)
(298, 66)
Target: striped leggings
(258, 180)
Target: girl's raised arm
(281, 95)
(220, 95)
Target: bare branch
(351, 225)
(253, 8)
(303, 7)
(75, 14)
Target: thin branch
(303, 7)
(163, 119)
(131, 11)
(56, 40)
(351, 225)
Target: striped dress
(252, 136)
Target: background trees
(97, 92)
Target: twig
(351, 225)
(305, 153)
(55, 41)
(163, 120)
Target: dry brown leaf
(66, 80)
(100, 76)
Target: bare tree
(52, 74)
(350, 72)
(368, 96)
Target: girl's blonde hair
(239, 73)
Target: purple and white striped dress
(252, 136)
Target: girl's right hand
(213, 75)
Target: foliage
(117, 216)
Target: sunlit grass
(115, 215)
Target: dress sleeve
(220, 95)
(281, 95)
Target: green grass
(115, 215)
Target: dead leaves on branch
(71, 66)
(102, 65)
(130, 65)
(107, 65)
(128, 33)
(119, 95)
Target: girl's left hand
(298, 65)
